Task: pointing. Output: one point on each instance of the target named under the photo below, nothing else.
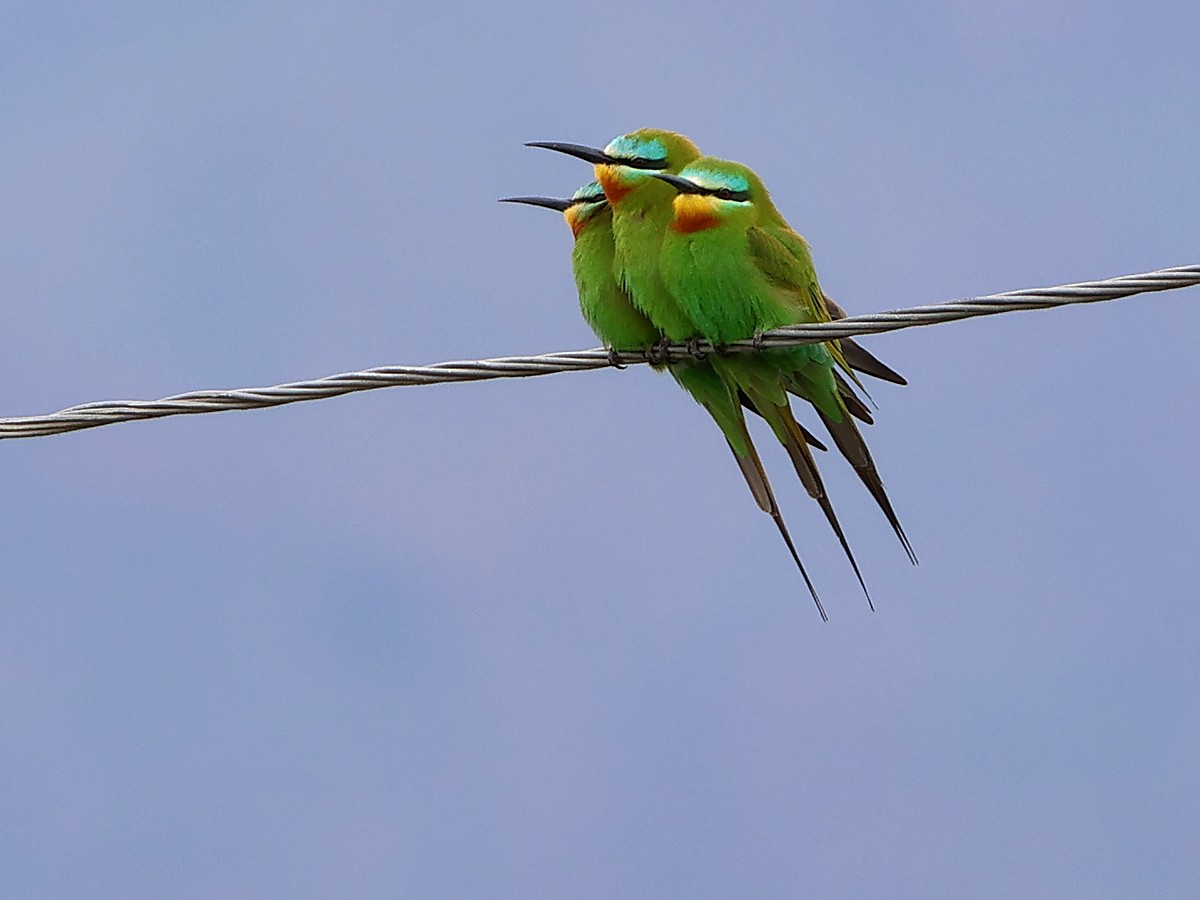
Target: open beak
(579, 151)
(680, 184)
(547, 202)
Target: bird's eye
(645, 162)
(730, 194)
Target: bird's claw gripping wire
(659, 354)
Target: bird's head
(588, 205)
(585, 206)
(713, 193)
(627, 165)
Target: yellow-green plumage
(641, 210)
(606, 307)
(692, 274)
(738, 269)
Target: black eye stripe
(730, 194)
(642, 162)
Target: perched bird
(605, 305)
(609, 310)
(641, 211)
(737, 269)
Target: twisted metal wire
(92, 415)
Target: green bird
(605, 305)
(611, 314)
(738, 269)
(641, 211)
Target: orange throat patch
(693, 212)
(610, 180)
(576, 221)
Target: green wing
(785, 261)
(783, 257)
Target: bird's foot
(614, 359)
(659, 354)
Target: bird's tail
(852, 446)
(756, 478)
(778, 413)
(856, 355)
(835, 402)
(711, 391)
(809, 438)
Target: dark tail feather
(827, 508)
(760, 487)
(854, 448)
(858, 357)
(854, 405)
(787, 539)
(811, 439)
(806, 468)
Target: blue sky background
(532, 638)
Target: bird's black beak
(547, 202)
(680, 184)
(579, 151)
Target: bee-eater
(641, 211)
(610, 312)
(738, 269)
(606, 307)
